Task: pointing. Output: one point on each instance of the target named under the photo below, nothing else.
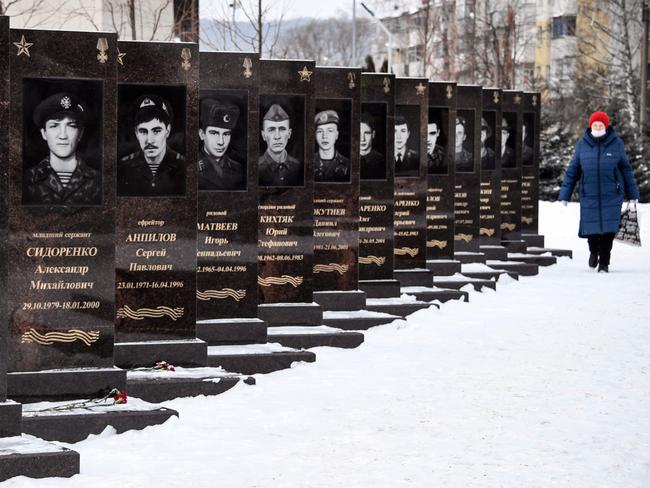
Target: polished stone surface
(530, 163)
(412, 108)
(227, 219)
(441, 171)
(61, 257)
(4, 114)
(336, 199)
(490, 199)
(376, 194)
(286, 213)
(511, 174)
(467, 161)
(156, 235)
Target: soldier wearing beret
(436, 163)
(329, 164)
(61, 178)
(488, 160)
(507, 153)
(217, 169)
(464, 159)
(407, 161)
(372, 162)
(156, 169)
(276, 166)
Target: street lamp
(388, 33)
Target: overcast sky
(292, 8)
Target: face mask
(598, 133)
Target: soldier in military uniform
(436, 163)
(372, 162)
(329, 164)
(488, 160)
(407, 161)
(507, 153)
(217, 169)
(464, 159)
(526, 150)
(156, 169)
(62, 177)
(276, 166)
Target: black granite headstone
(511, 151)
(336, 179)
(441, 136)
(61, 199)
(530, 163)
(376, 194)
(286, 184)
(490, 213)
(468, 168)
(410, 162)
(4, 166)
(227, 182)
(156, 205)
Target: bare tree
(34, 14)
(258, 29)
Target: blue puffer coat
(605, 175)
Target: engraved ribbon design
(463, 237)
(294, 281)
(403, 251)
(49, 338)
(507, 226)
(152, 313)
(379, 261)
(437, 243)
(527, 220)
(330, 268)
(222, 294)
(486, 232)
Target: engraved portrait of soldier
(407, 159)
(329, 164)
(464, 144)
(218, 168)
(527, 153)
(436, 156)
(276, 166)
(154, 168)
(488, 157)
(507, 141)
(62, 176)
(372, 162)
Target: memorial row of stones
(151, 208)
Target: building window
(414, 54)
(564, 26)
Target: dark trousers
(601, 244)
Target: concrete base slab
(35, 458)
(380, 288)
(231, 331)
(309, 337)
(275, 314)
(341, 300)
(189, 353)
(256, 358)
(443, 267)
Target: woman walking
(605, 175)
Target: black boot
(593, 259)
(604, 268)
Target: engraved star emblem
(517, 99)
(420, 89)
(120, 57)
(23, 46)
(305, 74)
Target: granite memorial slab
(490, 216)
(61, 215)
(467, 152)
(410, 161)
(441, 170)
(376, 194)
(156, 205)
(227, 294)
(511, 167)
(336, 188)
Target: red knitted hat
(599, 117)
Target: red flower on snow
(119, 396)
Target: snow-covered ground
(543, 383)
